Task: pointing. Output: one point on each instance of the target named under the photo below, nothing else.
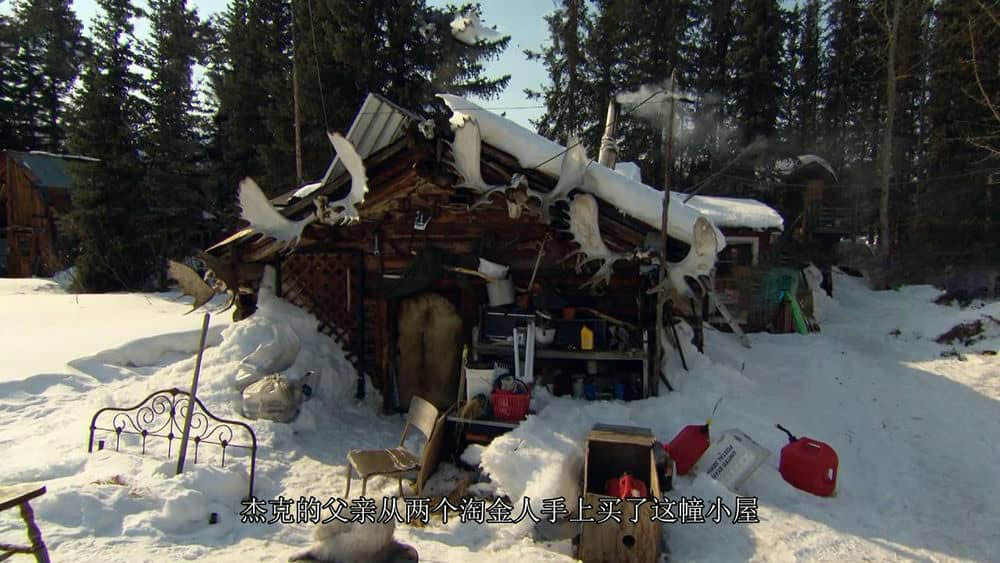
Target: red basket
(511, 406)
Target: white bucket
(493, 270)
(500, 292)
(732, 459)
(478, 381)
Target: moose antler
(584, 227)
(571, 173)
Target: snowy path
(916, 435)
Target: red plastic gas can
(688, 445)
(809, 465)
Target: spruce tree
(172, 136)
(108, 205)
(249, 78)
(7, 131)
(49, 50)
(854, 96)
(756, 60)
(806, 89)
(565, 61)
(956, 209)
(610, 45)
(713, 82)
(403, 49)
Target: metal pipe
(609, 149)
(191, 399)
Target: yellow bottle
(586, 338)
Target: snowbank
(880, 400)
(914, 432)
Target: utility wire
(319, 80)
(567, 149)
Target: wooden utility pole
(295, 109)
(668, 145)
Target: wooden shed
(752, 231)
(407, 272)
(34, 190)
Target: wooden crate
(610, 451)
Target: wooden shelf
(484, 422)
(632, 355)
(555, 354)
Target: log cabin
(406, 286)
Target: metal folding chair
(398, 461)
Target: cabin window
(739, 251)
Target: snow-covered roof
(630, 170)
(533, 151)
(733, 212)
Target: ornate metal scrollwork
(162, 415)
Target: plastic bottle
(586, 338)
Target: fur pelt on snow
(430, 332)
(353, 542)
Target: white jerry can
(732, 459)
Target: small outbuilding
(35, 190)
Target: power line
(567, 149)
(928, 179)
(319, 79)
(490, 108)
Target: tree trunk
(885, 151)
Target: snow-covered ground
(915, 432)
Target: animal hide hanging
(430, 334)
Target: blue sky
(521, 19)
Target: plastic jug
(626, 486)
(586, 338)
(809, 465)
(688, 445)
